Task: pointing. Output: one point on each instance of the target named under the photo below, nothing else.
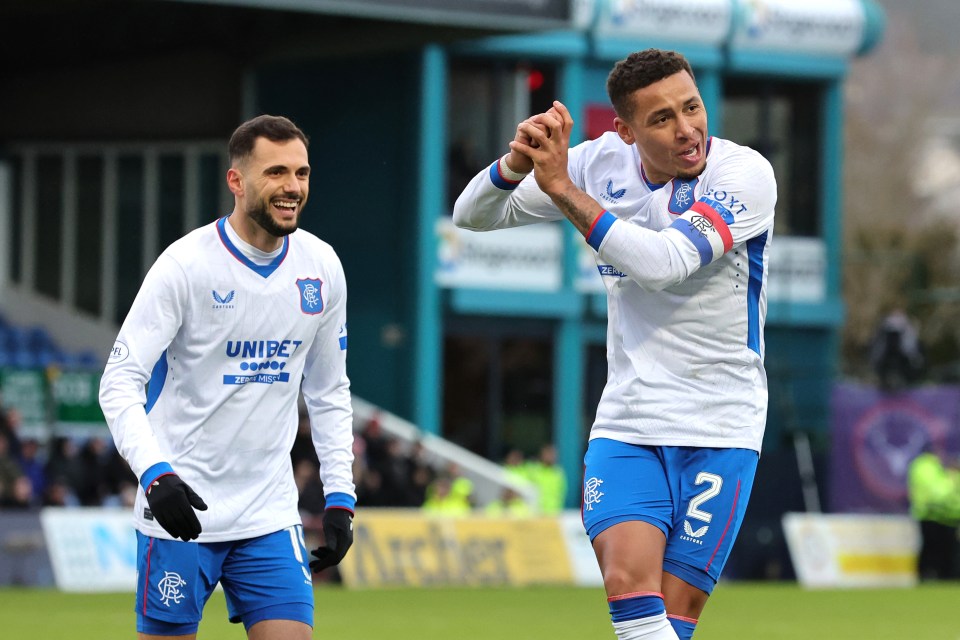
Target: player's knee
(620, 580)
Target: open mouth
(285, 206)
(691, 155)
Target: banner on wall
(839, 550)
(825, 27)
(875, 435)
(398, 548)
(706, 22)
(523, 258)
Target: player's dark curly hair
(273, 128)
(641, 69)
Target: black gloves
(172, 503)
(338, 531)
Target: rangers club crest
(310, 301)
(169, 587)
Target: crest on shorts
(310, 301)
(169, 587)
(591, 493)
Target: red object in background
(534, 79)
(599, 119)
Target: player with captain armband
(681, 224)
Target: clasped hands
(541, 143)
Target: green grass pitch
(737, 611)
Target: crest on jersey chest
(310, 301)
(682, 195)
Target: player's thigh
(630, 555)
(713, 488)
(268, 578)
(280, 630)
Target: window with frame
(782, 120)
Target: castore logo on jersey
(611, 195)
(223, 301)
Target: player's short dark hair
(641, 69)
(273, 128)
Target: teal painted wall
(361, 116)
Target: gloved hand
(172, 502)
(338, 531)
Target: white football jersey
(685, 267)
(225, 343)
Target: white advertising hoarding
(91, 549)
(523, 258)
(705, 22)
(852, 550)
(825, 27)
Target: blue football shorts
(263, 578)
(696, 496)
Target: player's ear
(624, 131)
(235, 181)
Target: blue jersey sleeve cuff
(154, 472)
(341, 501)
(499, 181)
(599, 229)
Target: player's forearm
(579, 208)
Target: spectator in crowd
(395, 472)
(934, 491)
(420, 473)
(10, 427)
(32, 464)
(509, 504)
(514, 464)
(376, 443)
(59, 493)
(461, 486)
(895, 352)
(92, 487)
(549, 479)
(443, 499)
(20, 494)
(9, 468)
(370, 491)
(63, 463)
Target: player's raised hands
(518, 160)
(549, 135)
